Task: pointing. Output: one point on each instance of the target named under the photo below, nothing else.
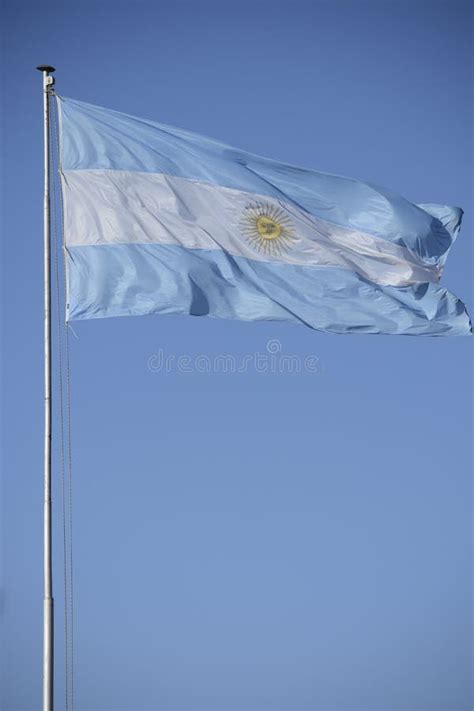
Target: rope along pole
(55, 206)
(64, 383)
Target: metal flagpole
(48, 609)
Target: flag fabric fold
(160, 220)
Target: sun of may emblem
(267, 228)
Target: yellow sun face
(267, 228)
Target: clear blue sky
(248, 542)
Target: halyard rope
(64, 385)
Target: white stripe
(112, 207)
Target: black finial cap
(46, 68)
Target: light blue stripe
(130, 280)
(96, 138)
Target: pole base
(48, 663)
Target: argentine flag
(158, 220)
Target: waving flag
(159, 220)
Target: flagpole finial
(46, 68)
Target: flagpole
(48, 605)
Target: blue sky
(248, 541)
